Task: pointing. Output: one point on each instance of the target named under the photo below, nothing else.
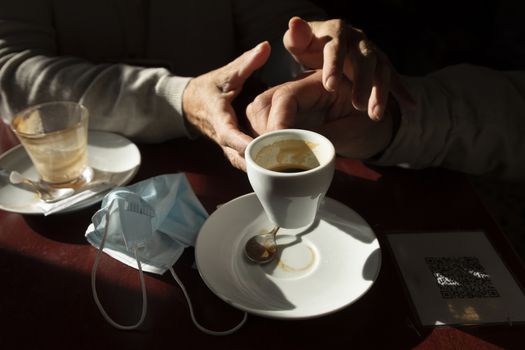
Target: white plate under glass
(106, 152)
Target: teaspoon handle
(6, 174)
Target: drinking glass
(54, 134)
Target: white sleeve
(467, 118)
(141, 103)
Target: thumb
(243, 66)
(302, 43)
(298, 37)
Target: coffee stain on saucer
(287, 268)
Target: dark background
(423, 36)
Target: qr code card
(457, 278)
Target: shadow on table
(63, 227)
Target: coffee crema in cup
(288, 156)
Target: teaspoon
(262, 248)
(47, 193)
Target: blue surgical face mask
(147, 226)
(160, 216)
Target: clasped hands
(343, 95)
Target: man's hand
(305, 103)
(207, 102)
(341, 50)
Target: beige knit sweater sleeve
(142, 103)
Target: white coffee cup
(290, 171)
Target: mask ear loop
(94, 288)
(195, 322)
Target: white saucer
(318, 270)
(106, 151)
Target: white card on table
(457, 278)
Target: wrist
(192, 129)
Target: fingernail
(257, 48)
(260, 46)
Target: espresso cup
(54, 134)
(290, 171)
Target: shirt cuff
(171, 88)
(423, 128)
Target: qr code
(461, 277)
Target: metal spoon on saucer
(46, 193)
(262, 248)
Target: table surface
(46, 298)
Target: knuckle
(282, 93)
(258, 110)
(336, 23)
(258, 105)
(337, 29)
(250, 110)
(333, 44)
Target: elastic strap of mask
(195, 322)
(94, 288)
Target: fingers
(252, 60)
(233, 142)
(334, 54)
(285, 103)
(329, 45)
(235, 158)
(230, 80)
(231, 137)
(334, 51)
(236, 72)
(340, 50)
(274, 109)
(318, 45)
(304, 44)
(258, 111)
(386, 82)
(362, 61)
(227, 133)
(301, 103)
(380, 89)
(298, 37)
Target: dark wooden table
(45, 266)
